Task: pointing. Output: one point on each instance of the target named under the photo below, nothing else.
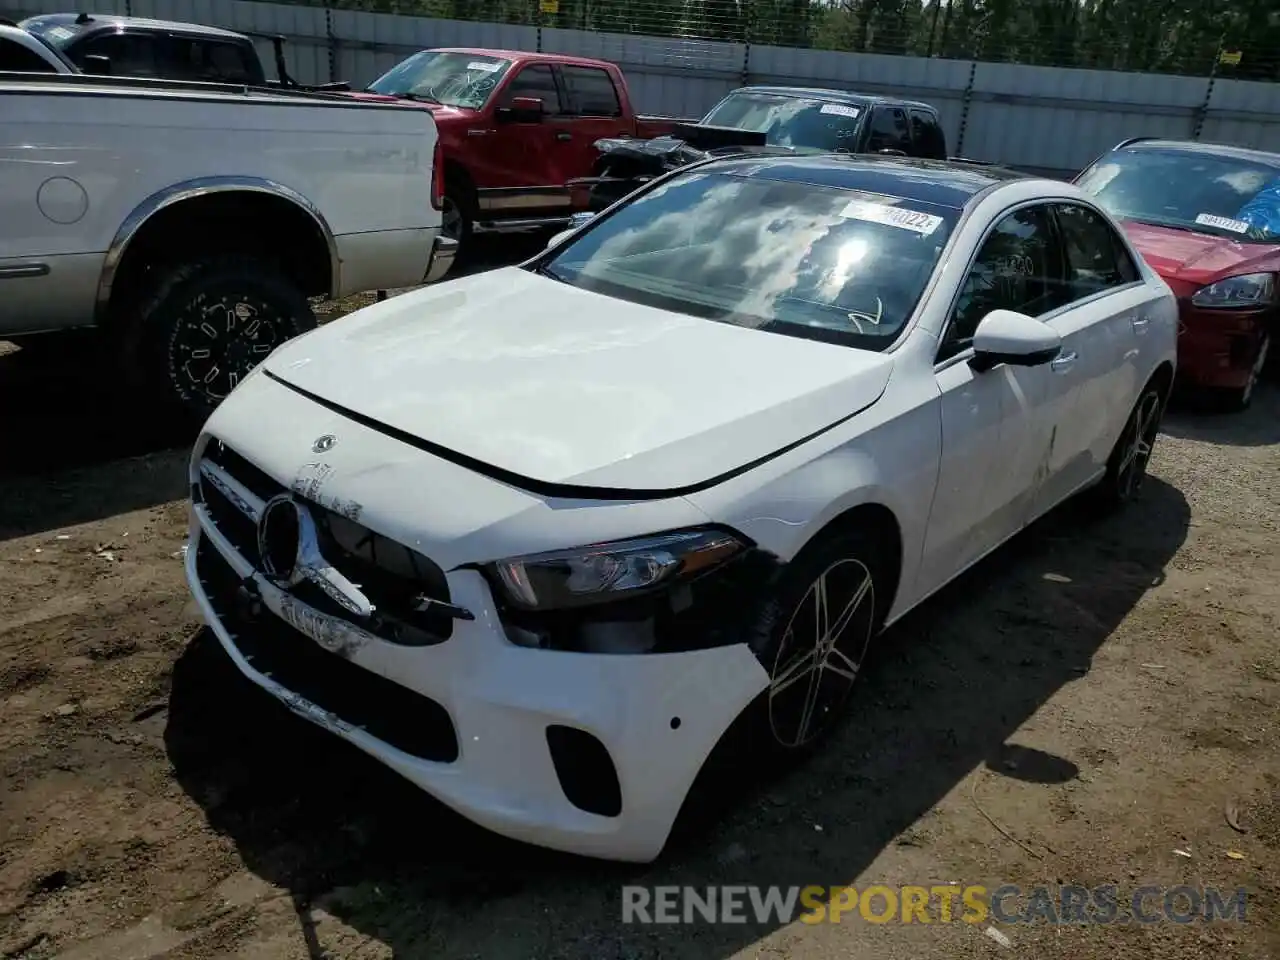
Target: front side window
(1096, 258)
(455, 79)
(816, 262)
(536, 81)
(889, 130)
(1019, 267)
(927, 136)
(14, 56)
(131, 54)
(790, 121)
(1189, 189)
(591, 92)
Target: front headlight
(610, 571)
(1249, 290)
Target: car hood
(524, 376)
(1199, 258)
(439, 111)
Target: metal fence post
(964, 106)
(1202, 112)
(333, 45)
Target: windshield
(54, 34)
(790, 121)
(816, 262)
(1189, 190)
(455, 79)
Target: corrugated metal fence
(1045, 118)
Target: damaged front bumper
(591, 753)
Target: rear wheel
(203, 326)
(1127, 466)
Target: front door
(997, 425)
(516, 167)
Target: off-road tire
(250, 306)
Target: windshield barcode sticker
(486, 67)
(1222, 223)
(922, 223)
(840, 110)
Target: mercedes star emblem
(324, 444)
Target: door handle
(1063, 361)
(564, 135)
(1140, 323)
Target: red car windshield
(1189, 189)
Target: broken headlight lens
(601, 572)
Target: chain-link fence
(1232, 39)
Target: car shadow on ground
(950, 685)
(76, 446)
(1192, 416)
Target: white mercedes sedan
(539, 538)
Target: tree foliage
(1231, 38)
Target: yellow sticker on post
(891, 216)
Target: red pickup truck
(514, 129)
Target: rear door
(594, 110)
(1095, 376)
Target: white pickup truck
(189, 223)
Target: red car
(514, 129)
(1207, 218)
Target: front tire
(203, 326)
(813, 636)
(1242, 397)
(457, 219)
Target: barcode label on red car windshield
(1222, 223)
(921, 223)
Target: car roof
(836, 96)
(522, 55)
(111, 21)
(1202, 147)
(944, 183)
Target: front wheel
(813, 637)
(1241, 397)
(205, 325)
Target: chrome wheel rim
(1256, 373)
(821, 652)
(1138, 445)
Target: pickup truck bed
(188, 223)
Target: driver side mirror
(1005, 336)
(96, 63)
(575, 221)
(521, 110)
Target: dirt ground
(1095, 704)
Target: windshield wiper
(405, 95)
(543, 270)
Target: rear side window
(14, 56)
(536, 80)
(889, 130)
(926, 136)
(591, 92)
(131, 55)
(1096, 257)
(212, 61)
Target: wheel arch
(876, 519)
(135, 223)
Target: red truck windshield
(452, 78)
